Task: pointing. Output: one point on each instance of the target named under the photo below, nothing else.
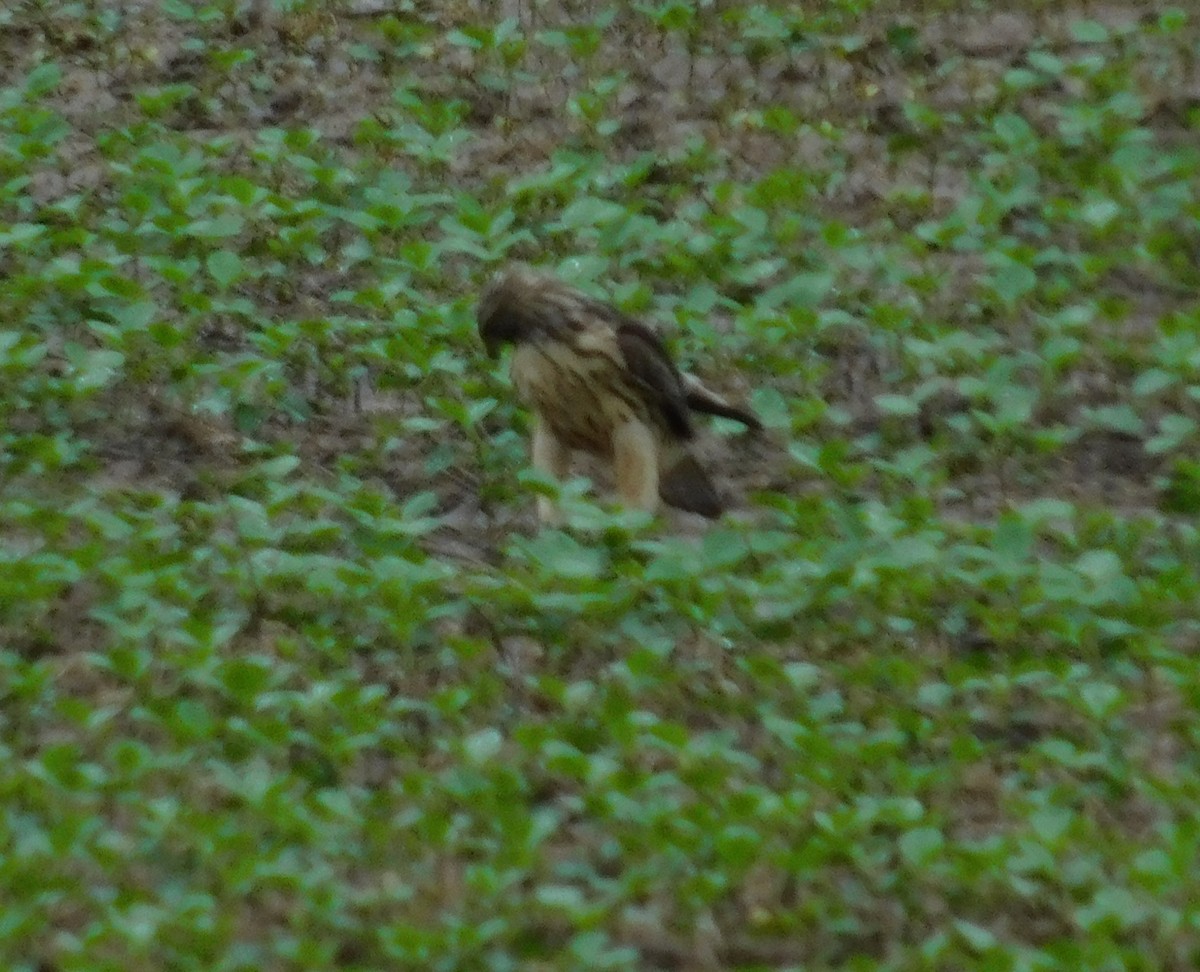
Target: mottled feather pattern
(578, 390)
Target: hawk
(600, 382)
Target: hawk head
(507, 308)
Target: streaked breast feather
(581, 389)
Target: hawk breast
(580, 388)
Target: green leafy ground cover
(289, 679)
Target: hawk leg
(635, 455)
(551, 456)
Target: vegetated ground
(291, 681)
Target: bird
(601, 382)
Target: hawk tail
(685, 485)
(700, 398)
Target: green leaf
(562, 897)
(225, 266)
(901, 405)
(1100, 698)
(137, 316)
(921, 845)
(1173, 432)
(217, 228)
(1118, 418)
(19, 234)
(1051, 823)
(1013, 130)
(1111, 907)
(245, 678)
(43, 79)
(1100, 212)
(1011, 280)
(179, 9)
(771, 407)
(1182, 492)
(1154, 861)
(95, 369)
(1089, 32)
(483, 746)
(978, 938)
(1152, 381)
(721, 549)
(278, 468)
(739, 845)
(1172, 19)
(1013, 540)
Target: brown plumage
(600, 382)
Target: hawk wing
(655, 374)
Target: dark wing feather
(708, 402)
(647, 359)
